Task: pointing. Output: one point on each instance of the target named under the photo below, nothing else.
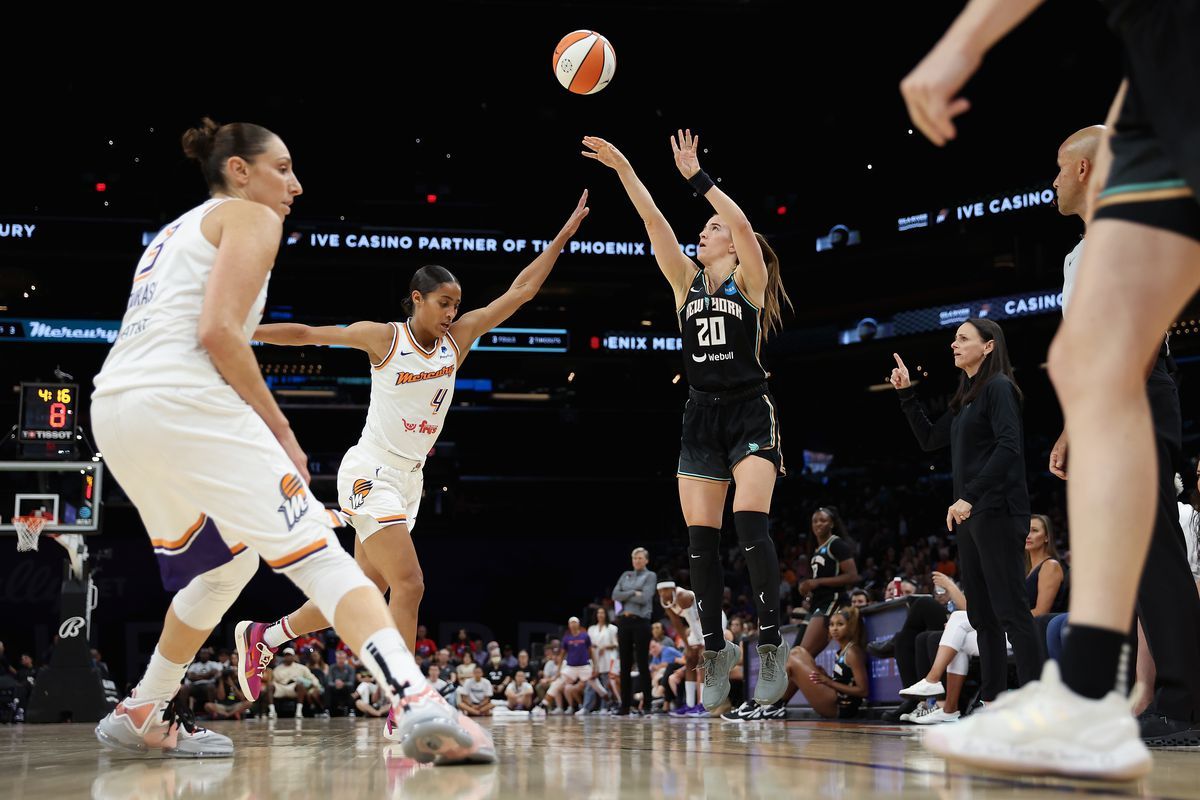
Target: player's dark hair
(212, 144)
(424, 281)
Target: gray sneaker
(428, 729)
(716, 674)
(158, 725)
(772, 674)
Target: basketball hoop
(28, 530)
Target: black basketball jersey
(827, 563)
(722, 337)
(842, 673)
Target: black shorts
(1155, 173)
(722, 428)
(823, 606)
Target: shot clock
(48, 412)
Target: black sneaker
(906, 707)
(882, 648)
(746, 711)
(1161, 731)
(773, 711)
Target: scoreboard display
(48, 412)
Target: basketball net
(28, 531)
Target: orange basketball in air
(584, 62)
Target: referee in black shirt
(983, 429)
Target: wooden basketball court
(595, 757)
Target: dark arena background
(439, 135)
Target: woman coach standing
(983, 429)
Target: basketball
(584, 62)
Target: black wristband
(701, 183)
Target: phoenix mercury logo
(358, 495)
(295, 499)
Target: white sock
(161, 680)
(385, 655)
(689, 689)
(278, 633)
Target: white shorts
(377, 488)
(209, 479)
(571, 674)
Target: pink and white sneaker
(254, 656)
(428, 729)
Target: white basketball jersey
(411, 390)
(159, 340)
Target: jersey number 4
(438, 398)
(712, 331)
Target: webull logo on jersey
(700, 358)
(414, 377)
(295, 499)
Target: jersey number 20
(712, 331)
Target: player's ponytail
(776, 295)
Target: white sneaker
(936, 716)
(924, 688)
(921, 711)
(1046, 728)
(581, 712)
(554, 712)
(537, 713)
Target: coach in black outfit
(635, 592)
(983, 429)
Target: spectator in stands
(97, 662)
(462, 644)
(424, 648)
(441, 685)
(550, 670)
(497, 674)
(926, 615)
(339, 685)
(945, 564)
(294, 681)
(370, 701)
(860, 599)
(475, 696)
(519, 694)
(230, 703)
(202, 677)
(567, 691)
(665, 659)
(526, 665)
(446, 664)
(1045, 579)
(509, 660)
(466, 670)
(604, 644)
(310, 641)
